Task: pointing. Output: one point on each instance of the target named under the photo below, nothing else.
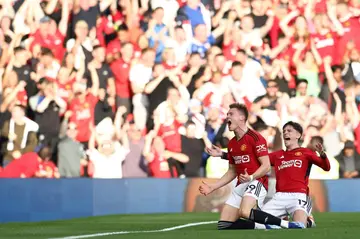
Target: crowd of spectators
(138, 88)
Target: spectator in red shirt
(49, 35)
(169, 131)
(47, 168)
(83, 105)
(121, 70)
(158, 157)
(25, 166)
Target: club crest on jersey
(328, 35)
(298, 154)
(243, 147)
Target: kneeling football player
(249, 161)
(292, 169)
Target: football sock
(259, 226)
(238, 224)
(266, 218)
(309, 223)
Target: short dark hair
(299, 81)
(190, 122)
(236, 63)
(195, 54)
(147, 50)
(272, 81)
(97, 47)
(295, 125)
(19, 49)
(45, 152)
(219, 54)
(46, 52)
(158, 8)
(122, 27)
(337, 67)
(242, 51)
(317, 139)
(242, 108)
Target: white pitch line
(130, 232)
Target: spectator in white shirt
(140, 74)
(48, 66)
(82, 45)
(108, 157)
(252, 71)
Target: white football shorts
(283, 204)
(253, 189)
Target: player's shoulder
(305, 151)
(254, 135)
(232, 141)
(277, 153)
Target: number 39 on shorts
(302, 203)
(250, 188)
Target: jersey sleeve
(229, 157)
(261, 148)
(272, 157)
(323, 163)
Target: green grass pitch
(329, 226)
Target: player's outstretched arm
(230, 175)
(214, 151)
(322, 161)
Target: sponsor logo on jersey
(298, 154)
(291, 163)
(325, 43)
(243, 147)
(260, 148)
(241, 159)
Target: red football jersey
(159, 167)
(351, 26)
(171, 136)
(245, 153)
(83, 116)
(326, 44)
(292, 169)
(27, 164)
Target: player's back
(292, 169)
(244, 153)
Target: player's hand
(244, 178)
(205, 189)
(214, 151)
(320, 148)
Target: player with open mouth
(292, 169)
(249, 161)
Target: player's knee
(244, 212)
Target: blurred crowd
(138, 88)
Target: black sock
(239, 224)
(264, 218)
(309, 223)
